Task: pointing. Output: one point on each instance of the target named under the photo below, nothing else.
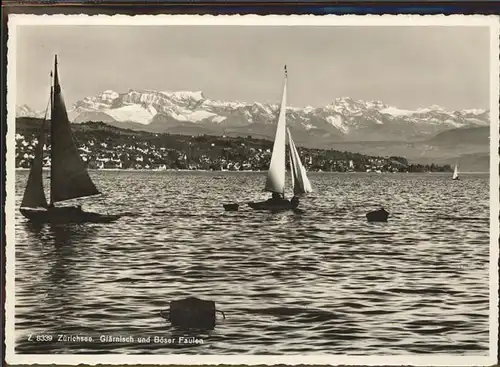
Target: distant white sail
(300, 181)
(455, 172)
(277, 168)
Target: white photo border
(19, 20)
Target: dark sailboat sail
(34, 196)
(69, 177)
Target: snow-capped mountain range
(191, 112)
(26, 111)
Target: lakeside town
(105, 147)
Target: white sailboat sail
(300, 181)
(455, 172)
(292, 168)
(275, 181)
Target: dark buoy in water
(191, 313)
(230, 207)
(378, 216)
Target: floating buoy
(378, 216)
(192, 313)
(230, 207)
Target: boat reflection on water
(60, 247)
(60, 256)
(59, 234)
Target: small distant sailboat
(69, 178)
(455, 173)
(351, 166)
(275, 182)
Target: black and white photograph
(186, 189)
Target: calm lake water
(320, 281)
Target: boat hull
(64, 215)
(230, 207)
(377, 216)
(272, 205)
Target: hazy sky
(408, 67)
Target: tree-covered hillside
(105, 146)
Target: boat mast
(52, 129)
(286, 82)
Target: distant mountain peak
(109, 95)
(436, 107)
(25, 111)
(197, 95)
(475, 111)
(344, 118)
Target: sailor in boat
(278, 200)
(276, 197)
(73, 209)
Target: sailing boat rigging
(455, 173)
(69, 178)
(275, 182)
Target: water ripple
(321, 280)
